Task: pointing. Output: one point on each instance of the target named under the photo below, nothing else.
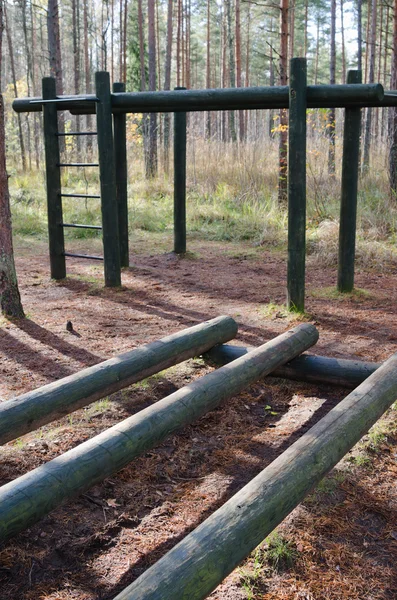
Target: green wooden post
(120, 158)
(110, 227)
(53, 177)
(297, 186)
(180, 181)
(348, 206)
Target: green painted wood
(318, 96)
(55, 400)
(121, 173)
(312, 368)
(30, 497)
(297, 186)
(348, 207)
(111, 248)
(53, 179)
(180, 181)
(195, 566)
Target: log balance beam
(55, 400)
(25, 500)
(313, 369)
(198, 564)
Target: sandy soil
(344, 535)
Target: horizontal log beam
(314, 369)
(194, 567)
(55, 400)
(318, 96)
(30, 497)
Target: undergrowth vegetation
(231, 196)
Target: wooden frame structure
(113, 160)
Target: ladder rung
(63, 134)
(77, 226)
(83, 256)
(78, 165)
(79, 196)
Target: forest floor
(341, 542)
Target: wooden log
(314, 369)
(297, 186)
(195, 566)
(109, 209)
(180, 181)
(348, 205)
(55, 400)
(251, 98)
(30, 497)
(53, 179)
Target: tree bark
(232, 72)
(167, 85)
(54, 51)
(14, 83)
(152, 166)
(371, 78)
(283, 69)
(393, 114)
(332, 112)
(238, 68)
(10, 300)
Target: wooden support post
(55, 400)
(348, 206)
(180, 181)
(30, 497)
(121, 173)
(195, 566)
(110, 227)
(53, 177)
(297, 186)
(312, 368)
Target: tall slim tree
(152, 166)
(393, 114)
(167, 85)
(10, 300)
(283, 140)
(332, 80)
(371, 79)
(54, 52)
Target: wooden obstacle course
(25, 500)
(198, 564)
(351, 96)
(55, 400)
(311, 368)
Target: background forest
(232, 156)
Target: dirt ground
(344, 535)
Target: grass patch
(280, 552)
(332, 293)
(279, 311)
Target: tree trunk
(393, 114)
(14, 83)
(208, 66)
(76, 65)
(283, 69)
(332, 112)
(10, 300)
(343, 43)
(54, 51)
(167, 85)
(371, 79)
(87, 74)
(232, 74)
(152, 166)
(359, 35)
(238, 68)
